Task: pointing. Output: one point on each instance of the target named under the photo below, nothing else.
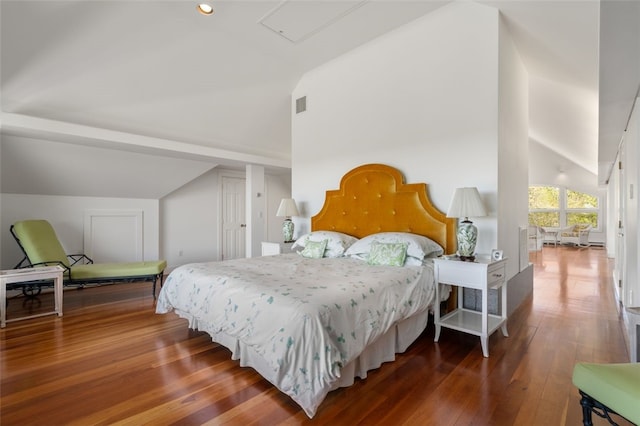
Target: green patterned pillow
(391, 254)
(314, 249)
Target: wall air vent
(297, 20)
(301, 104)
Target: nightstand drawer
(496, 275)
(269, 248)
(466, 274)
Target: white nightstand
(269, 248)
(483, 274)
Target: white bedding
(304, 318)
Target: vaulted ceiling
(160, 80)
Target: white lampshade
(287, 208)
(466, 202)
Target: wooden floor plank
(112, 360)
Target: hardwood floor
(112, 360)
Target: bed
(313, 321)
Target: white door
(620, 257)
(630, 156)
(233, 218)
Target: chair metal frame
(34, 288)
(592, 406)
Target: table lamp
(466, 202)
(287, 209)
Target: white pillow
(337, 242)
(413, 261)
(419, 247)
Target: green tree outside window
(544, 206)
(580, 200)
(547, 210)
(544, 219)
(582, 208)
(544, 197)
(580, 218)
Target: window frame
(579, 210)
(550, 210)
(563, 210)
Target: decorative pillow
(418, 246)
(337, 242)
(314, 249)
(391, 254)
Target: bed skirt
(396, 340)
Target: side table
(550, 235)
(483, 274)
(269, 248)
(11, 276)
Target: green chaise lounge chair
(608, 389)
(41, 247)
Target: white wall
(613, 210)
(66, 215)
(190, 217)
(513, 150)
(545, 167)
(278, 187)
(424, 99)
(513, 180)
(627, 251)
(187, 219)
(255, 209)
(631, 183)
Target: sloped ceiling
(559, 45)
(35, 166)
(619, 76)
(160, 69)
(158, 78)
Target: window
(581, 208)
(559, 207)
(544, 206)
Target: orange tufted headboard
(374, 198)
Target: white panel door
(113, 235)
(233, 218)
(620, 256)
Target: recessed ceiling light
(205, 9)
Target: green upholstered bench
(41, 247)
(608, 388)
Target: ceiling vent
(298, 20)
(301, 104)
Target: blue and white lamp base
(467, 238)
(287, 230)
